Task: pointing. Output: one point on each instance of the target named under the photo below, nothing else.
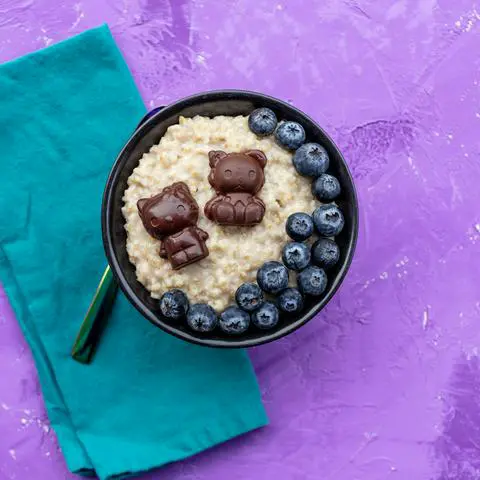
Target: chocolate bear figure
(236, 178)
(171, 216)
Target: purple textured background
(385, 384)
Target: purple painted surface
(386, 382)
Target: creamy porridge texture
(235, 252)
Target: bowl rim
(107, 233)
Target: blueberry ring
(259, 304)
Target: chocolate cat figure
(236, 178)
(171, 216)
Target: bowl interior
(213, 104)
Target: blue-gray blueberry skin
(296, 255)
(312, 281)
(290, 135)
(272, 277)
(266, 316)
(299, 226)
(202, 318)
(262, 122)
(325, 253)
(234, 321)
(328, 220)
(326, 188)
(249, 296)
(290, 301)
(311, 160)
(174, 304)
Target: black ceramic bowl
(225, 102)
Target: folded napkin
(148, 398)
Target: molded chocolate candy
(236, 178)
(171, 216)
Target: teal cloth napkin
(148, 398)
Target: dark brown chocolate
(236, 178)
(171, 216)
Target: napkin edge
(203, 439)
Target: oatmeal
(235, 252)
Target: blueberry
(328, 220)
(290, 135)
(290, 301)
(272, 277)
(299, 226)
(312, 281)
(296, 255)
(266, 316)
(174, 304)
(262, 122)
(234, 320)
(311, 160)
(325, 253)
(202, 317)
(249, 296)
(326, 187)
